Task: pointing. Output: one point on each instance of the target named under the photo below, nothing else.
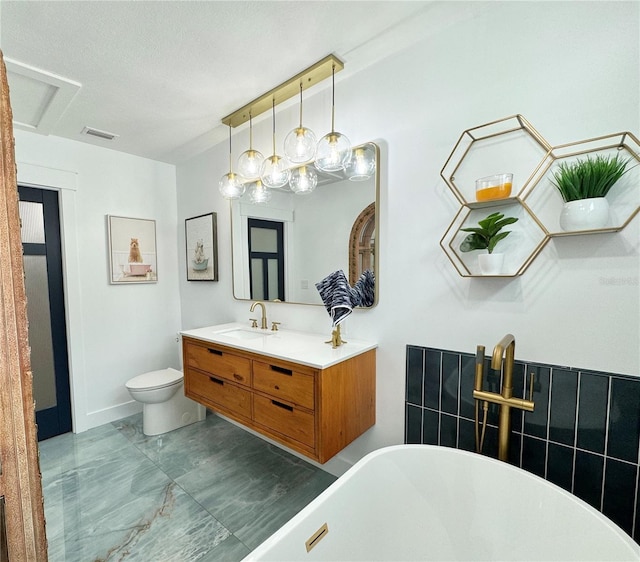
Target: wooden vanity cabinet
(316, 412)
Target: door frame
(65, 182)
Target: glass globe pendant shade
(249, 163)
(334, 149)
(362, 164)
(250, 160)
(300, 145)
(231, 186)
(258, 193)
(333, 152)
(275, 172)
(303, 180)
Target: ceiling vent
(38, 98)
(98, 133)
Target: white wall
(572, 69)
(115, 331)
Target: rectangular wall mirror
(282, 248)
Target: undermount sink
(245, 334)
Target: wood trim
(362, 226)
(20, 480)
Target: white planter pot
(491, 264)
(585, 214)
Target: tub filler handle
(479, 375)
(502, 360)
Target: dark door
(40, 219)
(266, 259)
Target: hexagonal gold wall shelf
(507, 145)
(527, 238)
(512, 145)
(624, 198)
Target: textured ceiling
(161, 75)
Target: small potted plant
(583, 185)
(485, 236)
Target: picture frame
(132, 250)
(201, 241)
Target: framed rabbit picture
(132, 250)
(202, 248)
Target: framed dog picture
(132, 250)
(202, 248)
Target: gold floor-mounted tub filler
(505, 348)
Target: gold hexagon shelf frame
(624, 198)
(526, 240)
(491, 149)
(497, 146)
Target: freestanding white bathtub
(420, 502)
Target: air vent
(98, 133)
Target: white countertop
(300, 347)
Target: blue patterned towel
(340, 298)
(364, 289)
(335, 293)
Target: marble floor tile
(252, 490)
(206, 492)
(211, 437)
(254, 526)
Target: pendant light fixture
(362, 164)
(274, 171)
(300, 143)
(231, 185)
(303, 180)
(258, 193)
(334, 149)
(250, 160)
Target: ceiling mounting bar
(309, 77)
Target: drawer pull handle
(217, 381)
(281, 370)
(238, 377)
(283, 406)
(214, 351)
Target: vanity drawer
(219, 363)
(284, 384)
(285, 419)
(219, 392)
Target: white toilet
(164, 405)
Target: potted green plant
(583, 185)
(486, 236)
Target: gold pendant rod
(309, 77)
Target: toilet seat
(155, 380)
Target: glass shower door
(39, 215)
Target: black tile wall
(583, 435)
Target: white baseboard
(107, 415)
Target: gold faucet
(264, 313)
(506, 349)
